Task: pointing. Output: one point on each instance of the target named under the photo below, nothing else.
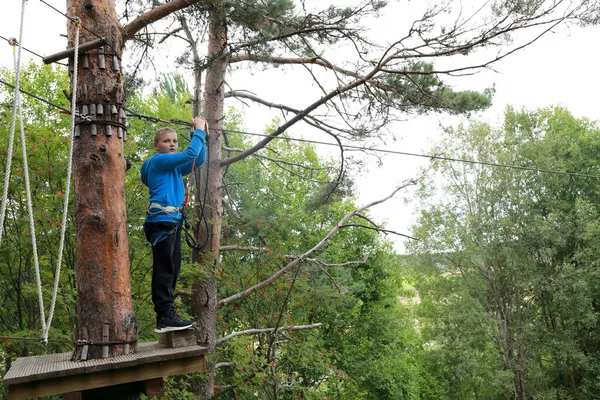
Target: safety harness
(153, 207)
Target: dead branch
(376, 228)
(171, 33)
(333, 282)
(323, 100)
(289, 256)
(275, 331)
(296, 262)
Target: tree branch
(258, 331)
(323, 100)
(288, 60)
(296, 262)
(153, 15)
(376, 228)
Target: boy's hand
(199, 123)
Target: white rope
(36, 263)
(13, 123)
(17, 111)
(67, 183)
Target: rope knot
(13, 42)
(76, 21)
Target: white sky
(559, 69)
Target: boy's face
(167, 142)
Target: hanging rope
(17, 111)
(77, 23)
(13, 123)
(193, 242)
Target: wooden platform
(37, 376)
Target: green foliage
(420, 89)
(514, 248)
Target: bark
(102, 263)
(204, 290)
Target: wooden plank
(27, 369)
(111, 377)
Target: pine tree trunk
(102, 263)
(204, 289)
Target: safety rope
(36, 263)
(17, 111)
(193, 242)
(13, 123)
(77, 23)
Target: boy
(163, 173)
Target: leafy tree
(512, 242)
(384, 80)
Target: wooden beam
(69, 384)
(83, 48)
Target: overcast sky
(559, 69)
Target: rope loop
(76, 21)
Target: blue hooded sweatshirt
(163, 174)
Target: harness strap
(161, 207)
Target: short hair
(158, 133)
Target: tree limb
(376, 228)
(153, 15)
(296, 262)
(258, 331)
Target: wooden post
(154, 387)
(175, 339)
(105, 338)
(84, 351)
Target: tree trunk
(204, 289)
(102, 263)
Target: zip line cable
(77, 20)
(31, 51)
(36, 97)
(431, 157)
(345, 146)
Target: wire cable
(36, 97)
(431, 157)
(31, 51)
(345, 146)
(74, 20)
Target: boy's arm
(186, 168)
(166, 161)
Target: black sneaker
(171, 322)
